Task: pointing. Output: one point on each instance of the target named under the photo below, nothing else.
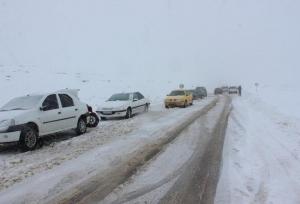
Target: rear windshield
(177, 93)
(119, 97)
(22, 103)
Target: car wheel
(128, 113)
(167, 107)
(146, 107)
(185, 104)
(94, 120)
(28, 139)
(81, 126)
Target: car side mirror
(43, 108)
(135, 99)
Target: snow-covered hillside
(283, 97)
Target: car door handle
(76, 109)
(59, 113)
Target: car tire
(146, 108)
(185, 104)
(81, 126)
(167, 107)
(128, 113)
(94, 120)
(28, 139)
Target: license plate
(107, 112)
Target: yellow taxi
(179, 98)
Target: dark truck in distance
(196, 94)
(201, 91)
(218, 91)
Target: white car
(25, 119)
(123, 105)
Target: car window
(177, 93)
(120, 97)
(50, 103)
(135, 96)
(22, 103)
(66, 100)
(140, 96)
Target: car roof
(180, 90)
(73, 92)
(126, 93)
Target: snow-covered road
(66, 163)
(176, 174)
(261, 159)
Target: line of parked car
(27, 119)
(184, 98)
(228, 90)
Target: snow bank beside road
(261, 159)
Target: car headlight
(5, 124)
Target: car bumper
(112, 114)
(10, 137)
(175, 103)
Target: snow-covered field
(96, 87)
(261, 159)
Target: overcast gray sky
(212, 40)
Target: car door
(135, 103)
(50, 115)
(142, 102)
(69, 111)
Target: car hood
(4, 115)
(112, 104)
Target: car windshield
(22, 103)
(177, 93)
(119, 97)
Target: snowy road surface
(165, 156)
(61, 168)
(185, 171)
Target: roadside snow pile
(59, 148)
(261, 158)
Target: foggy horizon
(213, 42)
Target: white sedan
(25, 119)
(123, 105)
